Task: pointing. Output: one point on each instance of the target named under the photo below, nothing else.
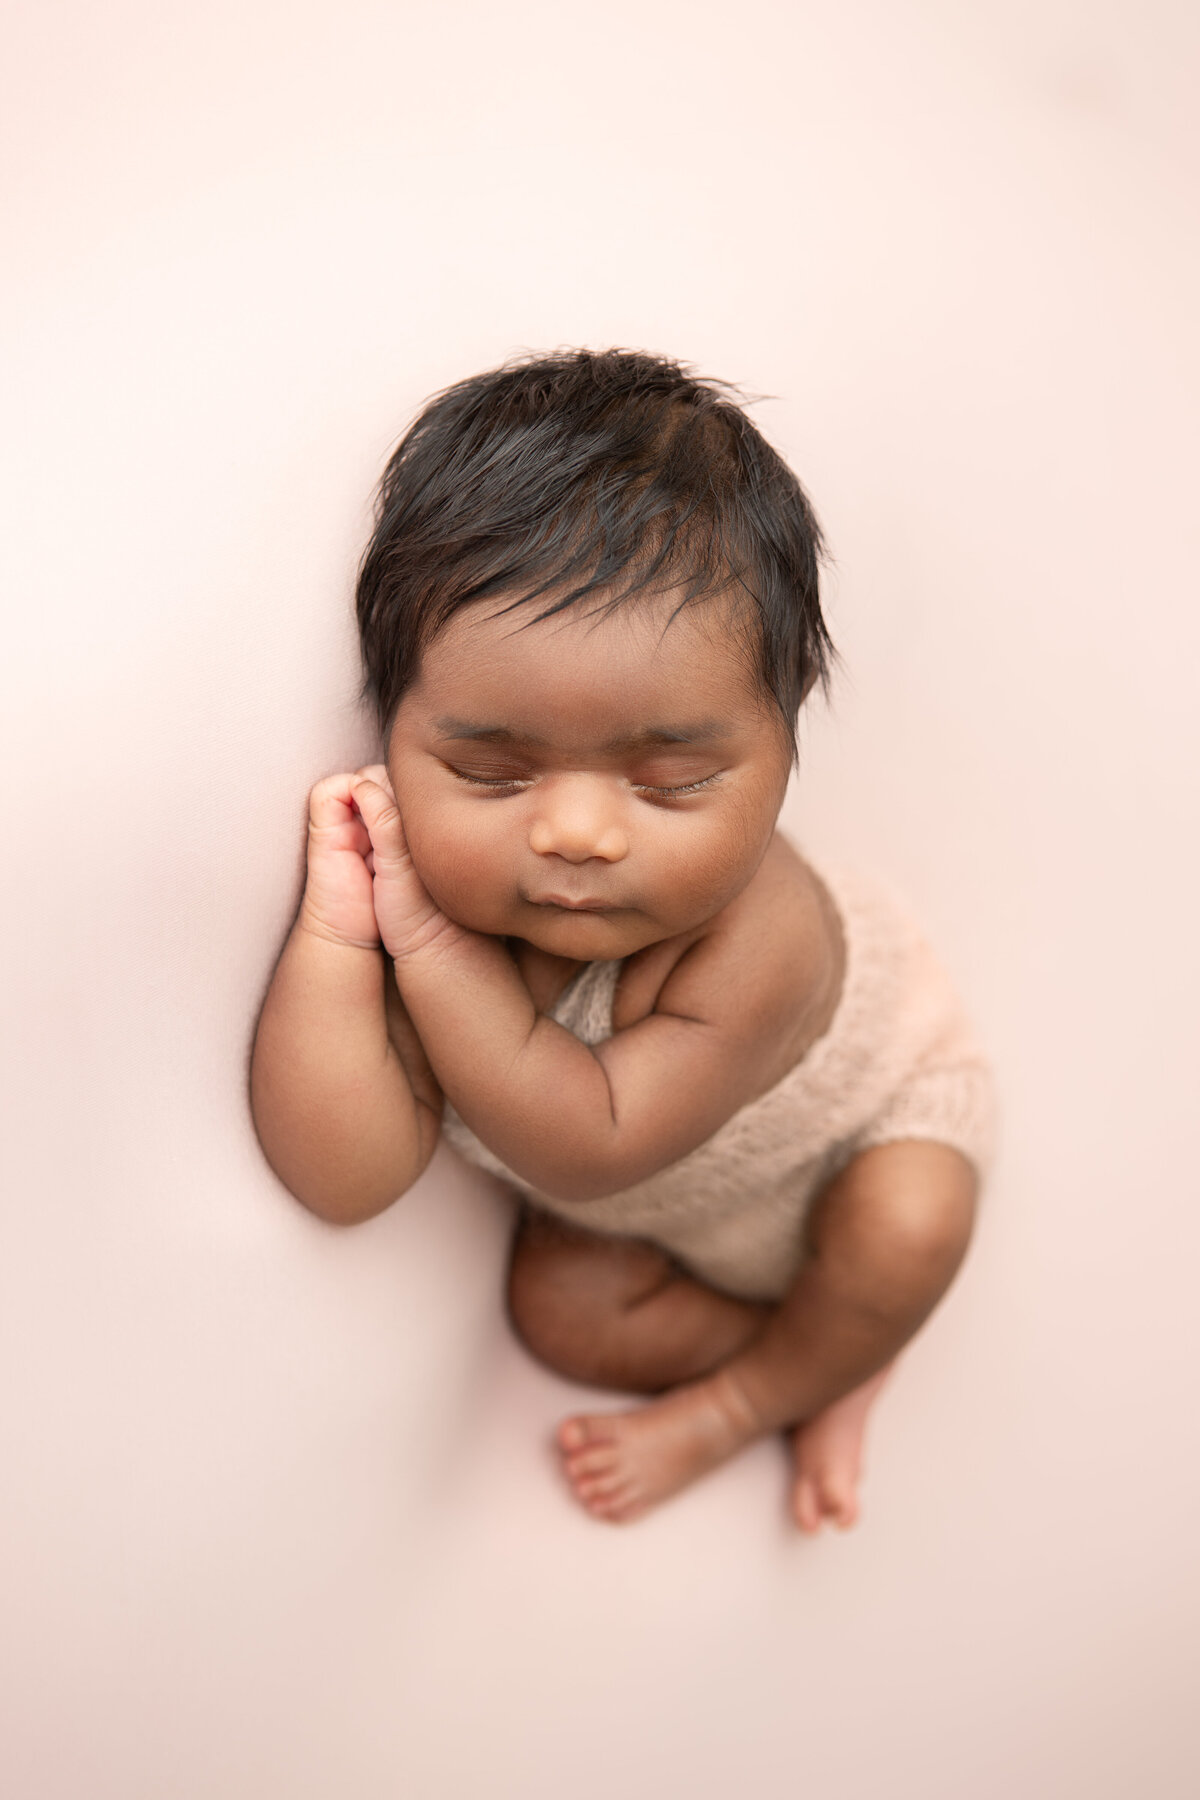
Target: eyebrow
(652, 737)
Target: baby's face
(591, 785)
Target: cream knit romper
(899, 1060)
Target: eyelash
(666, 793)
(686, 787)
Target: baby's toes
(601, 1494)
(586, 1482)
(841, 1504)
(835, 1499)
(583, 1433)
(592, 1462)
(618, 1505)
(598, 1467)
(806, 1504)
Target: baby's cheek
(708, 866)
(465, 876)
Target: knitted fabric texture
(899, 1060)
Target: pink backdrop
(280, 1521)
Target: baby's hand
(361, 883)
(338, 893)
(406, 918)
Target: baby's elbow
(348, 1204)
(346, 1210)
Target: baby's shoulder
(782, 944)
(768, 969)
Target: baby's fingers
(333, 817)
(330, 802)
(373, 795)
(377, 772)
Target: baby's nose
(578, 825)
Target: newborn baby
(733, 1088)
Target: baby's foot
(827, 1457)
(621, 1464)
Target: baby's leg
(883, 1243)
(617, 1312)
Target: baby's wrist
(430, 944)
(310, 924)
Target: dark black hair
(607, 473)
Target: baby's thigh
(566, 1286)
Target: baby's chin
(579, 936)
(587, 937)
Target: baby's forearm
(333, 1108)
(534, 1093)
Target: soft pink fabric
(279, 1518)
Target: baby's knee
(569, 1292)
(903, 1209)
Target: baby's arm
(344, 1105)
(575, 1121)
(578, 1121)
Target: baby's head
(589, 616)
